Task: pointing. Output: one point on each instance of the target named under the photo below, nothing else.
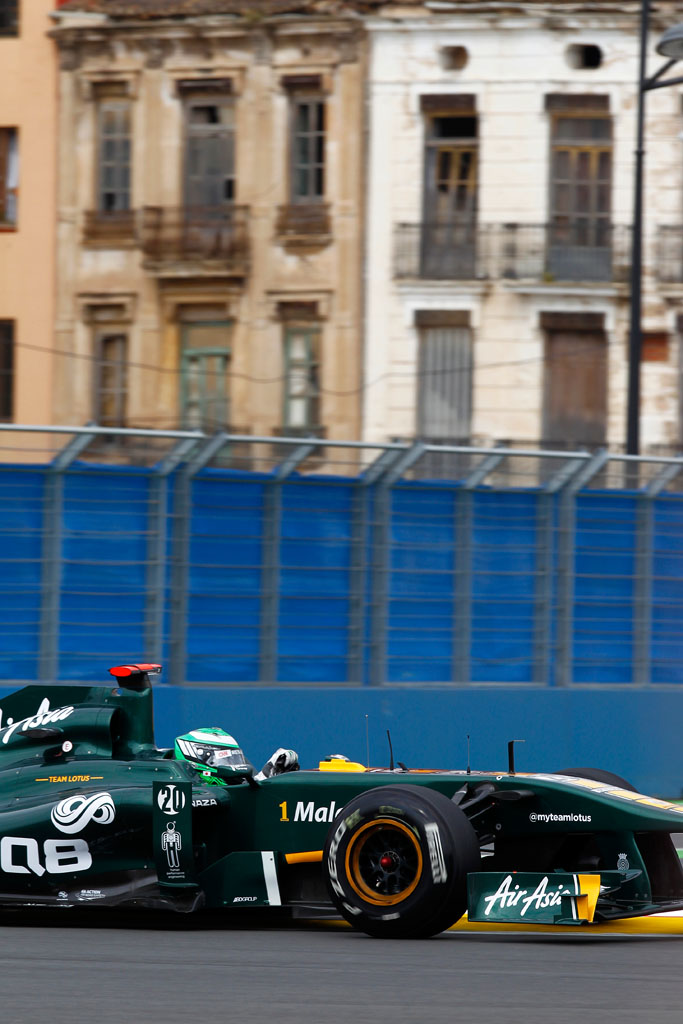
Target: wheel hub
(384, 861)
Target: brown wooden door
(575, 389)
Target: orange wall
(28, 102)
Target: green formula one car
(93, 812)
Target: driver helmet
(208, 749)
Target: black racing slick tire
(396, 861)
(599, 775)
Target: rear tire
(396, 862)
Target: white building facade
(499, 205)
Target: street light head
(671, 43)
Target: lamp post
(671, 46)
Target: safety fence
(236, 559)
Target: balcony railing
(206, 234)
(109, 230)
(304, 224)
(591, 252)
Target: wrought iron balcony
(113, 230)
(206, 234)
(589, 251)
(304, 225)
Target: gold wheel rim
(362, 853)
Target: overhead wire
(409, 373)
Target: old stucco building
(28, 120)
(210, 215)
(500, 199)
(347, 219)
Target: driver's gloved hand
(281, 761)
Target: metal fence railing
(238, 559)
(516, 251)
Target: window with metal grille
(307, 149)
(6, 369)
(9, 24)
(9, 176)
(114, 147)
(301, 410)
(111, 379)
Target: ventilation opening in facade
(453, 58)
(584, 55)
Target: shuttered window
(444, 395)
(575, 388)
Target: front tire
(396, 861)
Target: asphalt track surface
(168, 971)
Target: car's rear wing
(43, 714)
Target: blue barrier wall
(635, 734)
(235, 577)
(411, 593)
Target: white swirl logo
(74, 813)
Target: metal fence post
(566, 557)
(363, 498)
(157, 554)
(270, 565)
(543, 589)
(642, 588)
(379, 584)
(644, 553)
(381, 541)
(180, 558)
(359, 526)
(546, 511)
(53, 534)
(462, 609)
(462, 603)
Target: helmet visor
(225, 757)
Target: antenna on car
(367, 741)
(391, 752)
(469, 770)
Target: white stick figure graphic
(172, 842)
